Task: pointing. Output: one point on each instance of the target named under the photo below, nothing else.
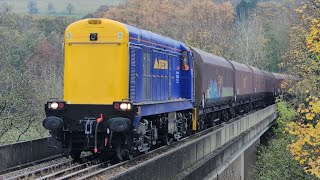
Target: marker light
(61, 105)
(116, 105)
(54, 105)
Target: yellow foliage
(306, 148)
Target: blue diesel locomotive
(127, 90)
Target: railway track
(53, 170)
(87, 168)
(79, 174)
(34, 163)
(37, 172)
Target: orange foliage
(203, 24)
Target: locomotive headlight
(54, 105)
(124, 106)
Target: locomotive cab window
(185, 61)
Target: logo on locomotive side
(160, 64)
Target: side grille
(132, 74)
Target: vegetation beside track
(294, 153)
(31, 63)
(275, 160)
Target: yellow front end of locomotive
(96, 62)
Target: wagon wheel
(251, 107)
(133, 154)
(168, 140)
(247, 108)
(232, 113)
(225, 115)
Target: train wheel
(168, 140)
(225, 115)
(200, 124)
(133, 154)
(245, 109)
(232, 113)
(130, 156)
(251, 107)
(122, 153)
(75, 155)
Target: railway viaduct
(227, 151)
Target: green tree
(31, 72)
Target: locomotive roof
(136, 35)
(140, 36)
(212, 59)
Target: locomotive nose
(52, 123)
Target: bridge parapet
(13, 155)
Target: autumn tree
(250, 42)
(101, 10)
(204, 24)
(259, 39)
(244, 8)
(210, 26)
(304, 59)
